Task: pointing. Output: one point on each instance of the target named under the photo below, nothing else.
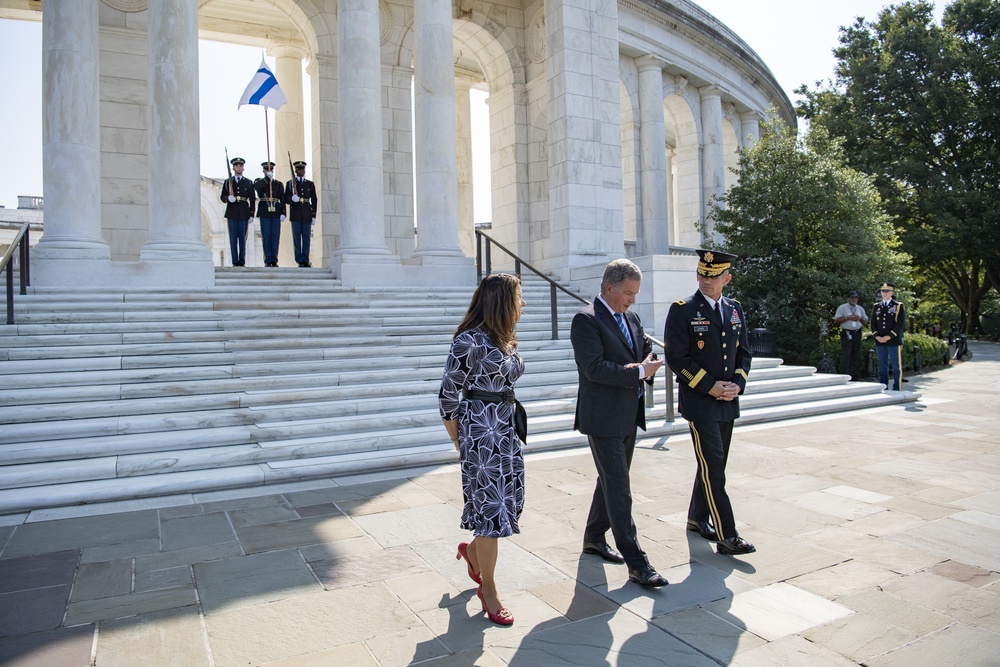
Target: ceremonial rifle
(295, 179)
(229, 169)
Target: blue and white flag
(263, 89)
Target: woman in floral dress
(478, 410)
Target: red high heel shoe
(502, 617)
(463, 552)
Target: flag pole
(267, 136)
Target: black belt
(520, 415)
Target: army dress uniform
(705, 345)
(270, 212)
(238, 211)
(300, 195)
(889, 319)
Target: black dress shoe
(734, 546)
(704, 529)
(603, 550)
(647, 576)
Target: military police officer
(238, 193)
(300, 195)
(706, 340)
(888, 325)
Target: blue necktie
(621, 325)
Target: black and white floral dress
(492, 463)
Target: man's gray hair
(619, 271)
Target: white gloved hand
(295, 198)
(282, 218)
(313, 221)
(250, 220)
(232, 199)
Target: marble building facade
(613, 125)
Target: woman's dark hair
(495, 308)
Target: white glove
(295, 198)
(232, 199)
(282, 218)
(313, 221)
(250, 220)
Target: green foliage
(918, 106)
(932, 351)
(807, 230)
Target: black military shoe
(647, 576)
(704, 529)
(603, 550)
(734, 546)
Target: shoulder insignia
(735, 301)
(680, 302)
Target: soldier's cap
(712, 263)
(266, 164)
(887, 286)
(237, 160)
(852, 293)
(300, 164)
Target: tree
(807, 230)
(918, 106)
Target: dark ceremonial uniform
(301, 213)
(889, 320)
(270, 212)
(703, 347)
(238, 213)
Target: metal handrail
(21, 243)
(483, 256)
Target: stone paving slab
(866, 555)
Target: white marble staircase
(279, 375)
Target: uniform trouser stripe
(706, 482)
(899, 366)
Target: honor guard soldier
(888, 325)
(300, 195)
(706, 340)
(270, 212)
(237, 192)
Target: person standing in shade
(850, 316)
(300, 195)
(707, 348)
(613, 357)
(238, 193)
(270, 212)
(888, 325)
(485, 421)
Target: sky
(795, 38)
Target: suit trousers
(300, 240)
(611, 506)
(709, 497)
(238, 241)
(270, 233)
(890, 355)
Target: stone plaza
(878, 534)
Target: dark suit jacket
(889, 321)
(701, 350)
(242, 209)
(607, 403)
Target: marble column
(71, 136)
(174, 152)
(713, 162)
(466, 198)
(289, 129)
(653, 157)
(362, 205)
(751, 128)
(434, 134)
(289, 120)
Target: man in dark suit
(706, 337)
(300, 194)
(238, 193)
(613, 357)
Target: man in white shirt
(851, 317)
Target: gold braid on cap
(712, 270)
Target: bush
(933, 352)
